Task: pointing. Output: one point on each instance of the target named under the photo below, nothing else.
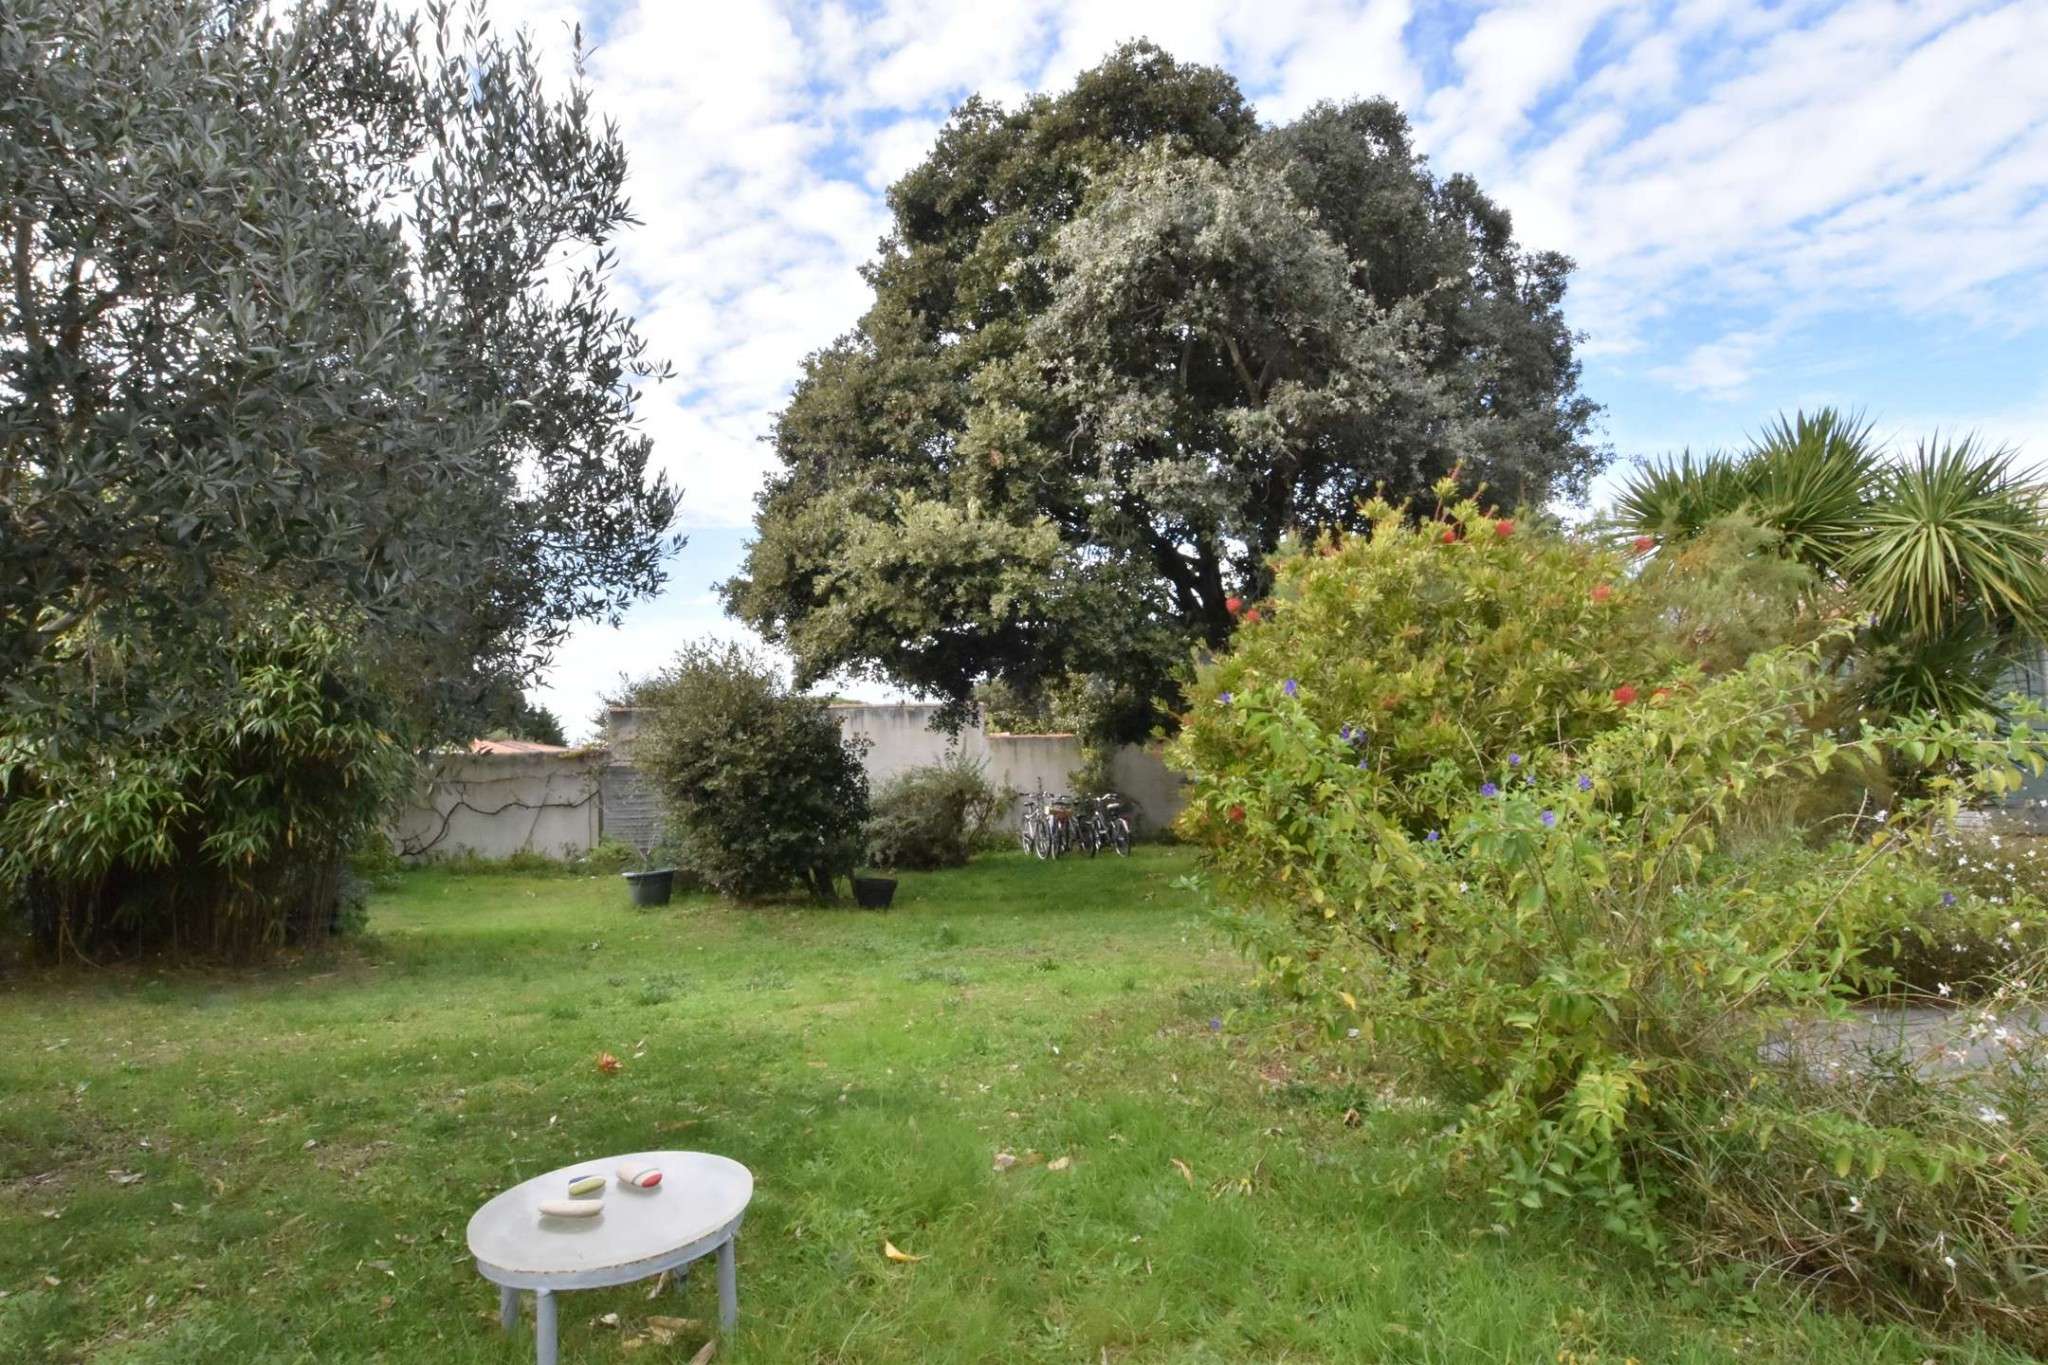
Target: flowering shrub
(1424, 654)
(1596, 944)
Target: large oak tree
(1123, 341)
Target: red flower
(1450, 536)
(608, 1064)
(1602, 591)
(1624, 694)
(1504, 528)
(1252, 616)
(1237, 815)
(1233, 604)
(1643, 544)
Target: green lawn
(310, 1142)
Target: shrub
(224, 825)
(763, 792)
(933, 816)
(1599, 948)
(1428, 652)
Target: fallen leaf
(705, 1352)
(609, 1064)
(1186, 1172)
(891, 1250)
(1350, 1000)
(384, 1266)
(608, 1320)
(384, 1302)
(52, 1281)
(1004, 1161)
(668, 1324)
(660, 1283)
(1059, 1164)
(124, 1177)
(311, 1143)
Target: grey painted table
(695, 1211)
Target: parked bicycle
(1107, 824)
(1048, 826)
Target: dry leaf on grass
(1004, 1161)
(1186, 1172)
(705, 1352)
(894, 1253)
(1059, 1164)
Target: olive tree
(305, 318)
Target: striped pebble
(586, 1184)
(645, 1177)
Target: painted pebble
(572, 1208)
(586, 1184)
(645, 1177)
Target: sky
(1772, 207)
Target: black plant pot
(652, 887)
(874, 893)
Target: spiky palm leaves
(1947, 550)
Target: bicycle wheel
(1027, 833)
(1120, 835)
(1093, 836)
(1042, 839)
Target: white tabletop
(699, 1194)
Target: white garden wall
(495, 805)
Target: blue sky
(1772, 206)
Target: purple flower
(1549, 819)
(1223, 700)
(1433, 836)
(1290, 687)
(1215, 1026)
(1948, 898)
(1514, 760)
(1489, 790)
(1363, 763)
(1345, 734)
(1585, 784)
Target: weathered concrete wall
(900, 736)
(495, 805)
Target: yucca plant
(1946, 552)
(1954, 532)
(1807, 479)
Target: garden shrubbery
(224, 826)
(932, 816)
(1612, 905)
(764, 794)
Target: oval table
(694, 1211)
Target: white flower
(1883, 816)
(1942, 988)
(1949, 1261)
(1855, 1204)
(1989, 1115)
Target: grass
(311, 1140)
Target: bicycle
(1114, 825)
(1059, 814)
(1033, 830)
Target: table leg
(508, 1306)
(544, 1332)
(728, 1286)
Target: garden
(277, 1163)
(1587, 932)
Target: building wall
(495, 805)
